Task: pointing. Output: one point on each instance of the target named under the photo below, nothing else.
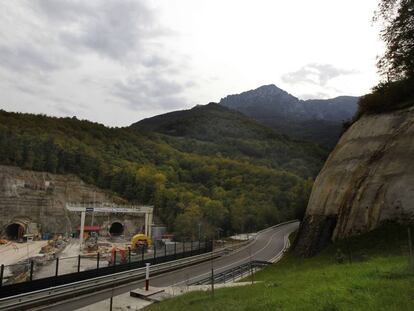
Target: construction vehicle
(140, 242)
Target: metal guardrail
(56, 280)
(51, 295)
(97, 283)
(232, 274)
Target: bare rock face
(39, 198)
(367, 179)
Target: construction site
(96, 250)
(102, 235)
(53, 224)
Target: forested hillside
(207, 165)
(215, 130)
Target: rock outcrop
(367, 179)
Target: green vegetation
(387, 97)
(374, 275)
(396, 90)
(214, 130)
(397, 17)
(212, 166)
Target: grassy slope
(377, 279)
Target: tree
(398, 34)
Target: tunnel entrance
(15, 231)
(116, 229)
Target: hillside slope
(319, 121)
(190, 179)
(215, 130)
(367, 179)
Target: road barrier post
(79, 259)
(129, 254)
(147, 271)
(97, 261)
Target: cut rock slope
(367, 179)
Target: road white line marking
(235, 262)
(183, 270)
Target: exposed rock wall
(40, 198)
(367, 179)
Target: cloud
(314, 73)
(103, 60)
(25, 57)
(120, 30)
(155, 91)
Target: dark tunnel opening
(116, 229)
(15, 231)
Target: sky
(118, 61)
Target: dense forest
(208, 166)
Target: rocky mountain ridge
(317, 120)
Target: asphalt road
(267, 245)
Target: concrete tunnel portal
(14, 231)
(116, 229)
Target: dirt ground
(68, 262)
(12, 252)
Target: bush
(387, 97)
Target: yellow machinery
(140, 241)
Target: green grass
(374, 276)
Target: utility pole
(94, 203)
(410, 248)
(212, 269)
(250, 265)
(82, 227)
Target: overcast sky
(116, 62)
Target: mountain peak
(284, 112)
(266, 95)
(268, 87)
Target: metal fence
(61, 271)
(234, 273)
